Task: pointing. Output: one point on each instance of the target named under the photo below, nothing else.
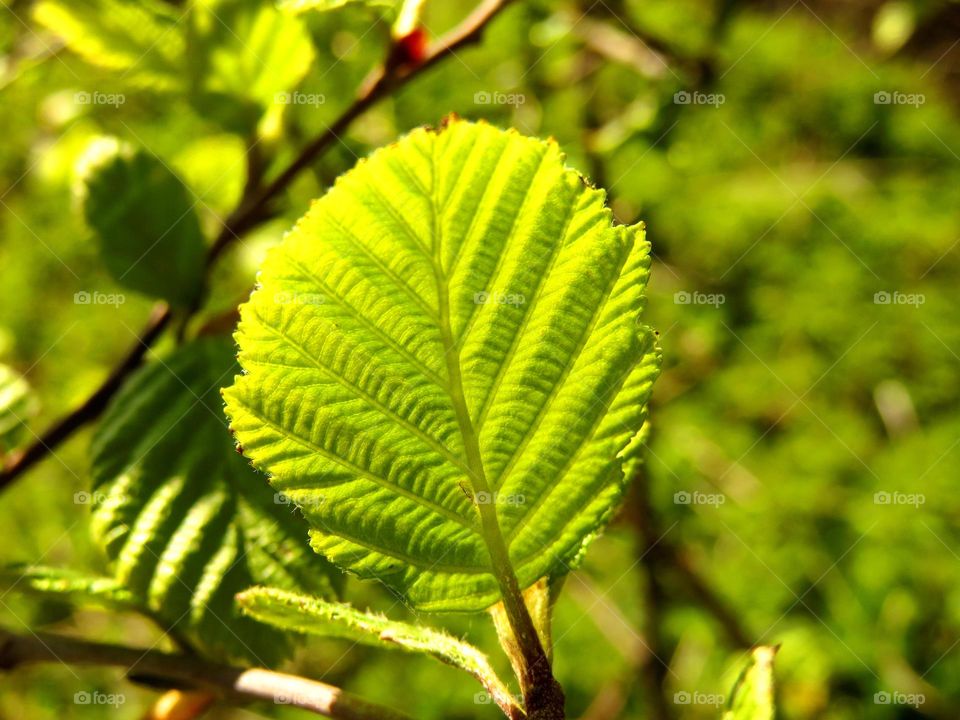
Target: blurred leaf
(299, 6)
(752, 696)
(142, 39)
(17, 405)
(453, 306)
(245, 59)
(144, 219)
(76, 587)
(302, 614)
(185, 521)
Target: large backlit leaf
(185, 521)
(144, 219)
(458, 312)
(313, 616)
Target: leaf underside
(457, 313)
(79, 589)
(184, 520)
(313, 616)
(144, 219)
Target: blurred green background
(798, 168)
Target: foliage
(802, 451)
(418, 343)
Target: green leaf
(244, 59)
(141, 39)
(144, 219)
(76, 587)
(300, 6)
(454, 325)
(752, 697)
(17, 404)
(302, 614)
(184, 520)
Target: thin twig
(238, 685)
(252, 210)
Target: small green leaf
(454, 325)
(145, 222)
(245, 58)
(185, 521)
(76, 587)
(300, 6)
(17, 405)
(752, 697)
(299, 613)
(143, 40)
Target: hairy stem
(238, 685)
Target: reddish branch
(255, 206)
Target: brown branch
(253, 209)
(237, 685)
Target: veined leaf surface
(185, 521)
(455, 323)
